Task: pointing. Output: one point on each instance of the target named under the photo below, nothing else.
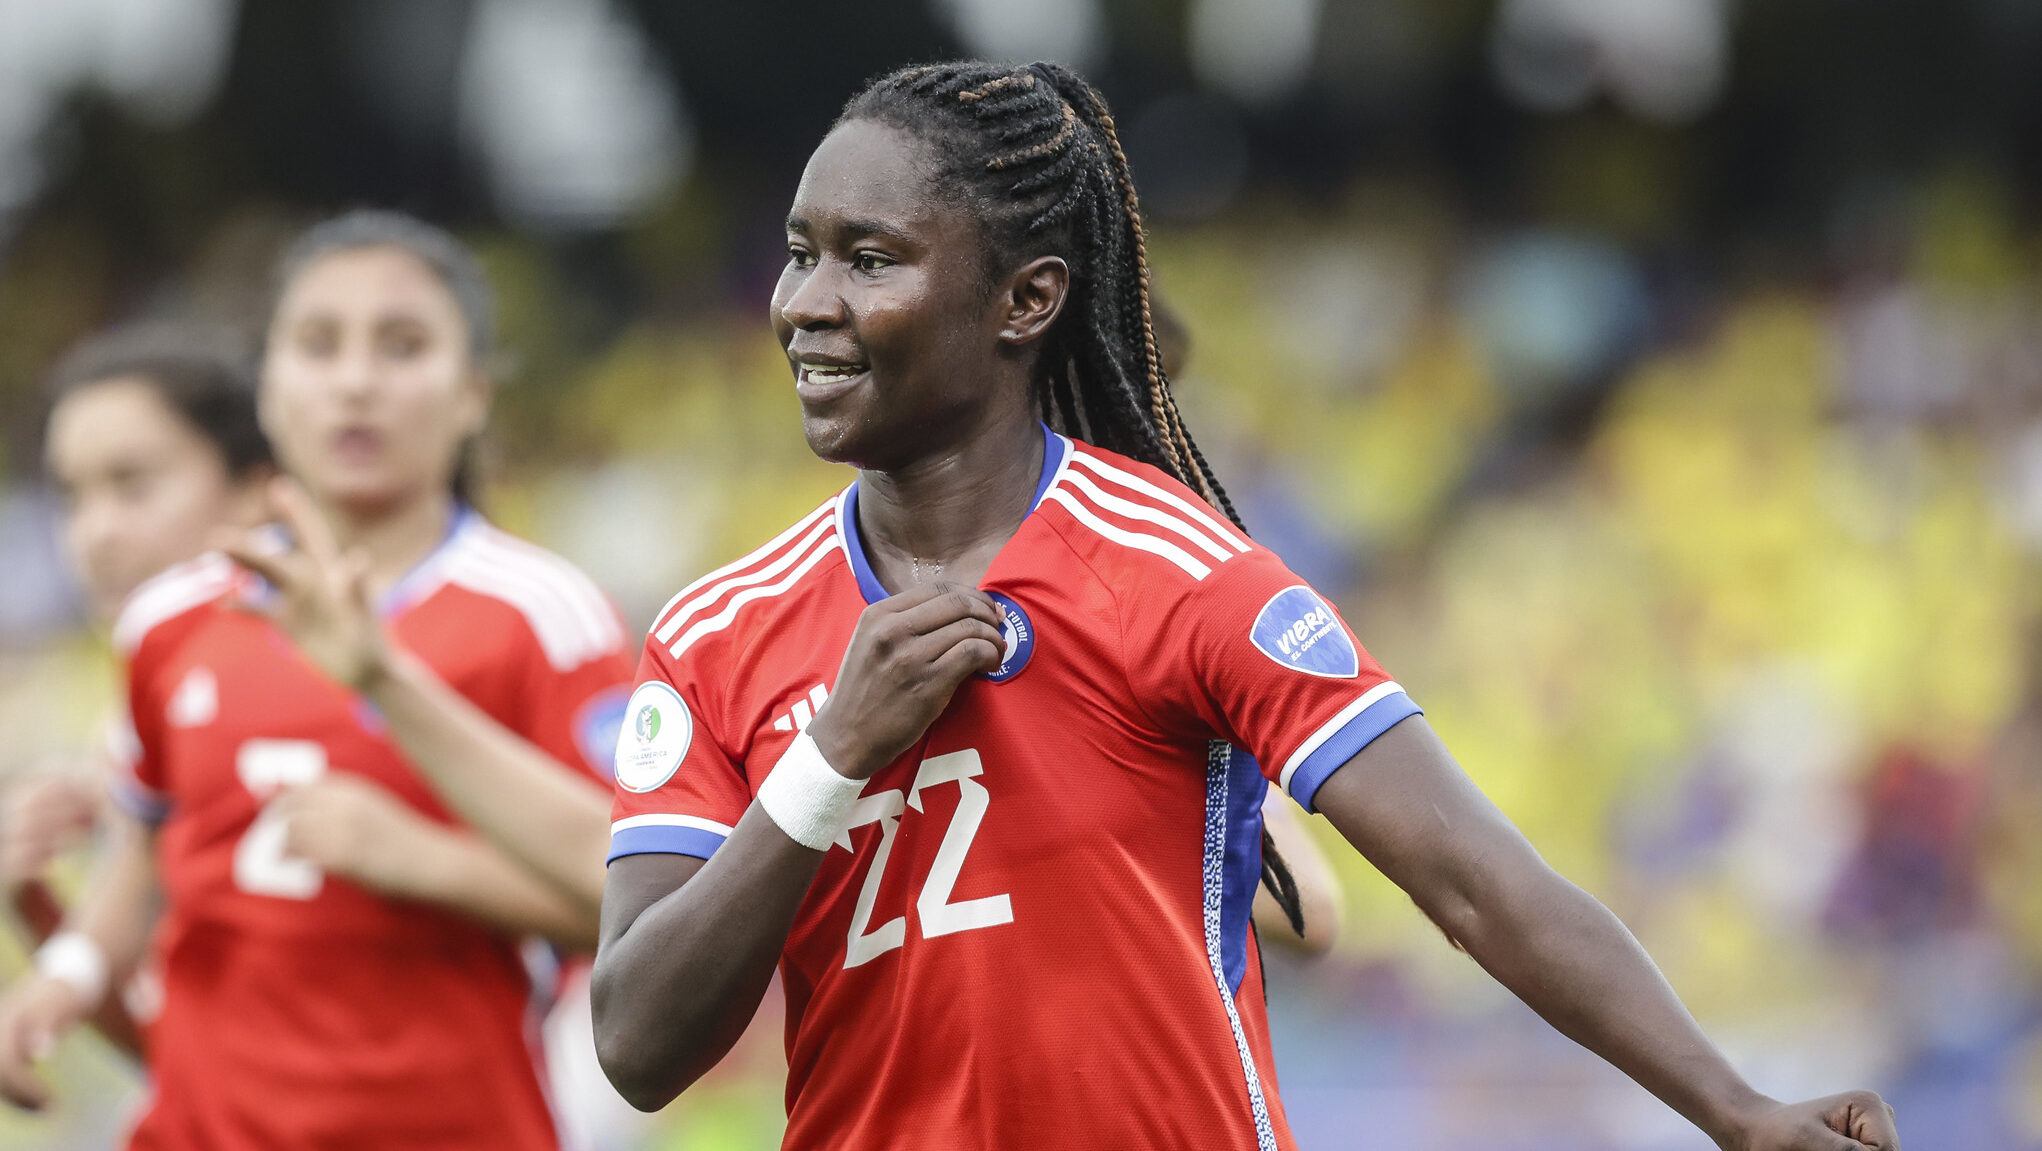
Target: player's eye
(799, 256)
(401, 341)
(130, 485)
(872, 262)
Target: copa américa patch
(654, 740)
(1300, 631)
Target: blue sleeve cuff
(689, 838)
(146, 804)
(1342, 738)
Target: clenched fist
(906, 659)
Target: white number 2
(267, 767)
(938, 915)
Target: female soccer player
(153, 442)
(341, 959)
(973, 752)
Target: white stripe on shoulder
(570, 583)
(1108, 502)
(168, 595)
(823, 547)
(568, 615)
(751, 558)
(708, 599)
(1196, 511)
(1140, 541)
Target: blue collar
(854, 544)
(420, 578)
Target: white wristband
(73, 957)
(806, 796)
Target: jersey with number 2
(300, 1009)
(1034, 932)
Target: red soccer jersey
(301, 1010)
(1035, 932)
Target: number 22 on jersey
(938, 915)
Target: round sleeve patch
(1298, 630)
(656, 732)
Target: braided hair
(1034, 156)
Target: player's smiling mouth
(818, 378)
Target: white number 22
(267, 768)
(938, 915)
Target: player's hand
(34, 1014)
(906, 659)
(39, 819)
(322, 595)
(357, 829)
(1853, 1121)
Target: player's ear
(1032, 298)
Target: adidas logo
(196, 702)
(803, 712)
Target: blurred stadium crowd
(1659, 382)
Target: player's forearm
(459, 871)
(509, 791)
(118, 906)
(678, 978)
(1570, 958)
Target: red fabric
(1093, 1019)
(342, 1019)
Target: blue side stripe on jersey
(1219, 773)
(1241, 871)
(1360, 731)
(1053, 449)
(659, 840)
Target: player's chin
(837, 433)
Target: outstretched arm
(1409, 808)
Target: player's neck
(945, 516)
(395, 540)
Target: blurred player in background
(975, 753)
(152, 441)
(341, 957)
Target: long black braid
(1034, 154)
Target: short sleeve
(573, 715)
(677, 791)
(136, 783)
(1265, 662)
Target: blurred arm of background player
(117, 912)
(1319, 890)
(44, 816)
(540, 830)
(1407, 806)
